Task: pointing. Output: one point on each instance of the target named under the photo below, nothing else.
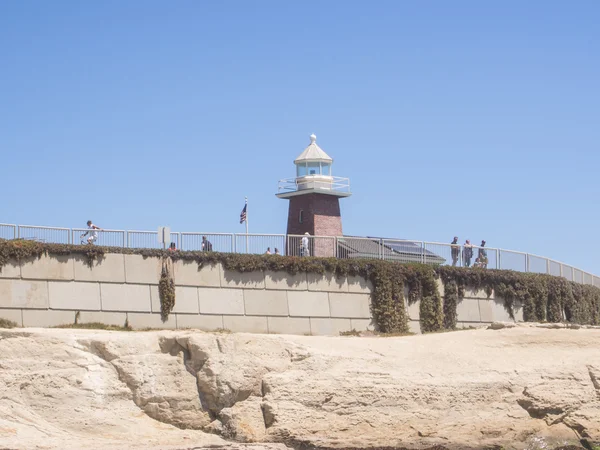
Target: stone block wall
(50, 291)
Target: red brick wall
(321, 215)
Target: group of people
(467, 253)
(467, 248)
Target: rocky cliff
(525, 387)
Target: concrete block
(142, 270)
(186, 273)
(285, 281)
(414, 310)
(440, 287)
(47, 318)
(125, 297)
(265, 303)
(11, 269)
(289, 325)
(350, 305)
(359, 285)
(414, 326)
(499, 313)
(154, 299)
(150, 320)
(14, 315)
(327, 283)
(23, 294)
(110, 268)
(517, 308)
(486, 311)
(59, 267)
(199, 322)
(308, 304)
(108, 318)
(467, 310)
(186, 300)
(221, 301)
(362, 324)
(329, 327)
(256, 324)
(74, 295)
(245, 280)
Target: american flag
(243, 214)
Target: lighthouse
(314, 196)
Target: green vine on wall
(166, 289)
(395, 285)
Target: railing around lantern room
(335, 184)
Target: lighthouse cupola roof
(313, 153)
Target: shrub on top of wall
(543, 297)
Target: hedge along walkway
(544, 297)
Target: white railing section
(337, 184)
(400, 250)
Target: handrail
(257, 241)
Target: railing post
(527, 262)
(422, 252)
(498, 263)
(547, 266)
(18, 231)
(381, 249)
(572, 273)
(235, 243)
(128, 240)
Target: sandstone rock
(244, 421)
(516, 388)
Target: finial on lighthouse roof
(313, 153)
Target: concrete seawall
(49, 291)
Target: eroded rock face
(516, 388)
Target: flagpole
(246, 224)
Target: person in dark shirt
(455, 250)
(206, 245)
(467, 253)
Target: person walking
(455, 250)
(468, 253)
(206, 245)
(482, 256)
(304, 250)
(92, 232)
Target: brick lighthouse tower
(314, 196)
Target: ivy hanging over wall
(166, 289)
(543, 297)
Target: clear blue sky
(458, 118)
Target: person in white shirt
(92, 232)
(304, 250)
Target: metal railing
(350, 247)
(337, 184)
